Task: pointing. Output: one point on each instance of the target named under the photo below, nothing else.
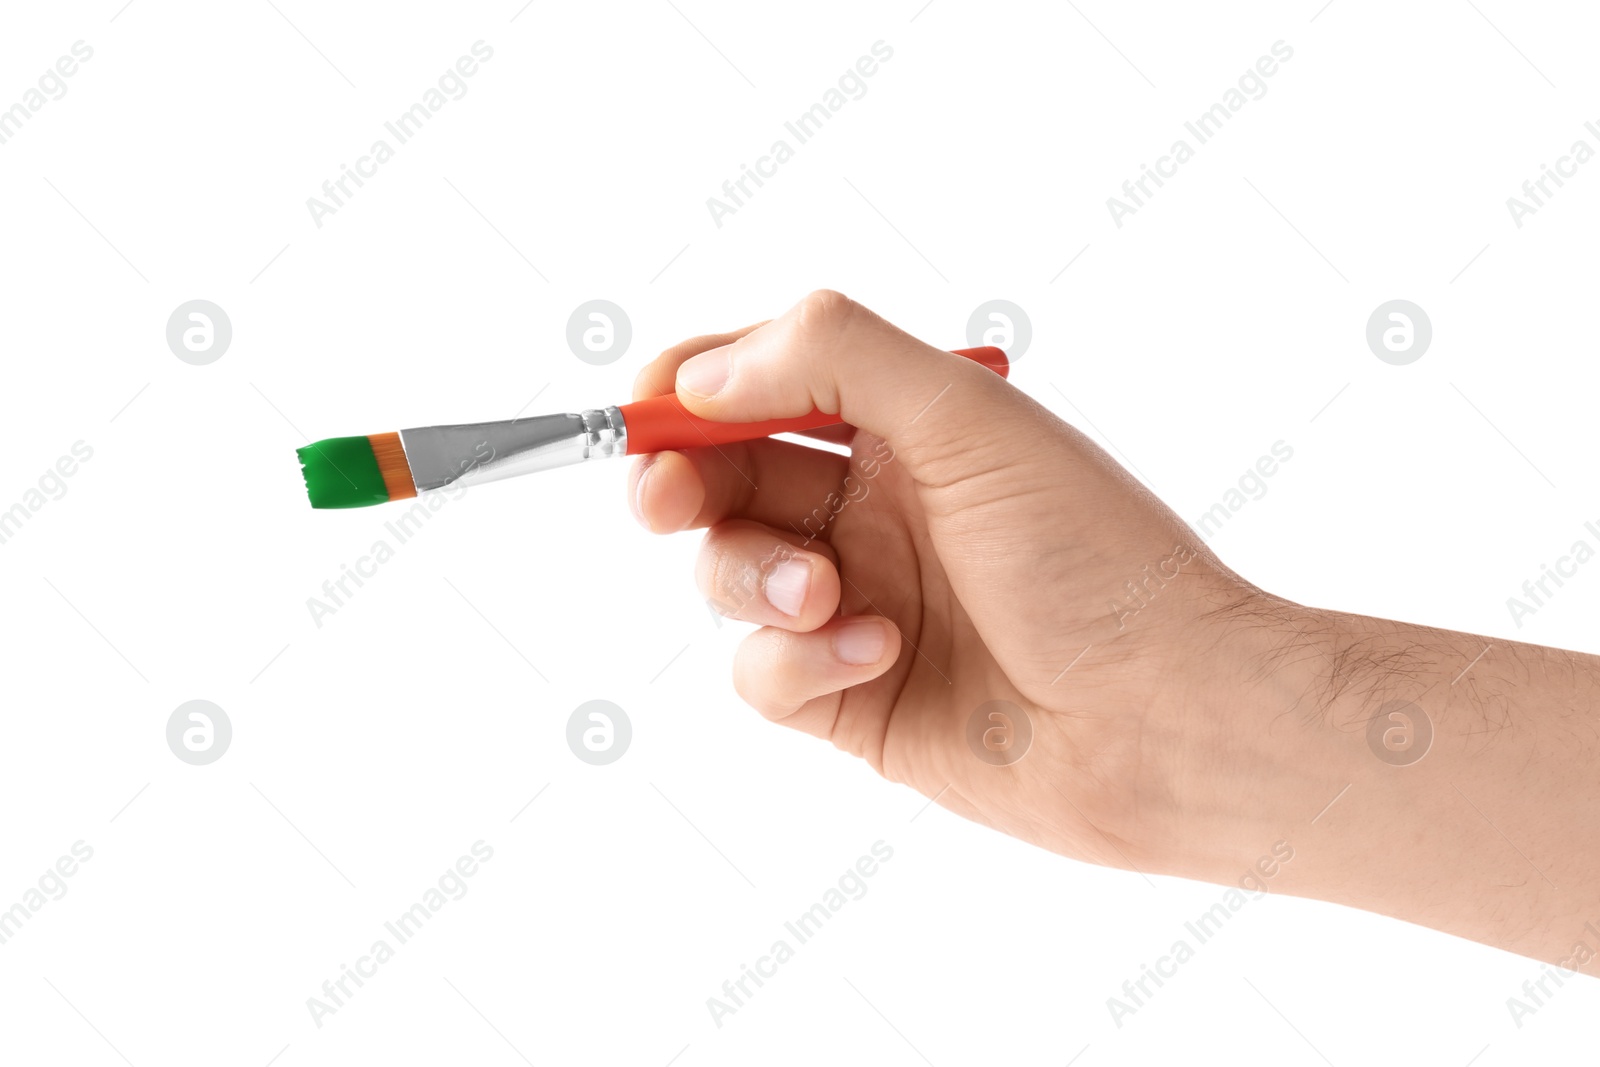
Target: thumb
(938, 410)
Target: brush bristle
(343, 472)
(391, 457)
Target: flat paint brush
(354, 472)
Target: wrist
(1262, 760)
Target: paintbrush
(354, 472)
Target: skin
(1187, 737)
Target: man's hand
(981, 604)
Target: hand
(975, 560)
(981, 604)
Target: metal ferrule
(488, 451)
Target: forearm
(1438, 777)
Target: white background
(368, 754)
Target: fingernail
(638, 490)
(787, 584)
(705, 374)
(859, 642)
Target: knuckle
(745, 688)
(825, 312)
(820, 323)
(759, 677)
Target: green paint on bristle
(342, 472)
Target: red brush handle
(661, 424)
